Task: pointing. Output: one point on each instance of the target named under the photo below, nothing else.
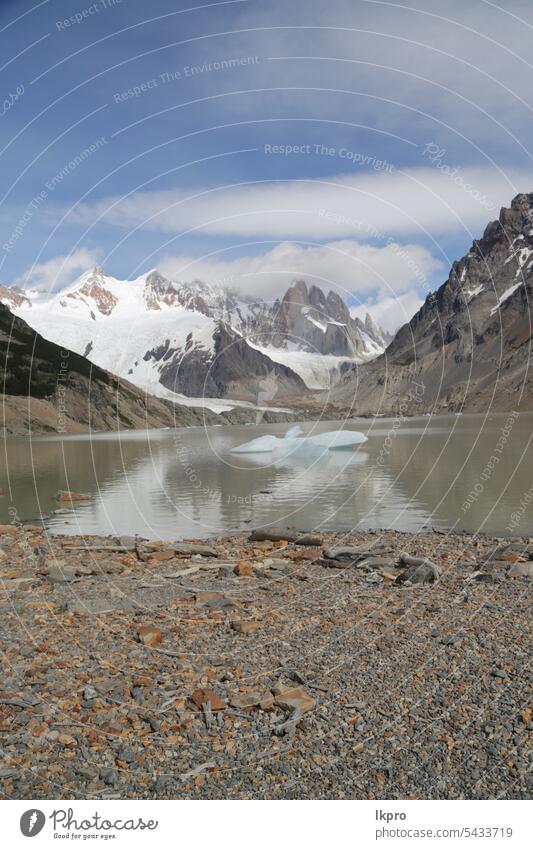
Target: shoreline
(242, 667)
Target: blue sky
(360, 144)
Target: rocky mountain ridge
(469, 345)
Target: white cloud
(57, 272)
(381, 205)
(391, 312)
(349, 267)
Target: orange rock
(294, 698)
(203, 695)
(205, 596)
(243, 569)
(66, 495)
(11, 530)
(150, 635)
(160, 556)
(246, 627)
(526, 715)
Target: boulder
(191, 549)
(419, 570)
(262, 535)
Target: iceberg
(295, 442)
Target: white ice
(295, 442)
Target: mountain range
(196, 340)
(467, 348)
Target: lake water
(468, 472)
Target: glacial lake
(471, 472)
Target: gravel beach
(275, 665)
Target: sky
(359, 144)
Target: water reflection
(173, 483)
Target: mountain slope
(469, 345)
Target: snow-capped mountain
(202, 340)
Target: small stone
(203, 695)
(61, 575)
(89, 693)
(243, 569)
(521, 570)
(202, 598)
(245, 627)
(244, 701)
(295, 698)
(150, 635)
(127, 755)
(109, 775)
(160, 556)
(526, 716)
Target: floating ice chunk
(334, 440)
(293, 431)
(261, 445)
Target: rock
(203, 598)
(419, 570)
(67, 495)
(289, 726)
(61, 575)
(149, 635)
(244, 701)
(273, 535)
(526, 716)
(483, 577)
(275, 563)
(89, 693)
(295, 698)
(109, 775)
(127, 755)
(187, 549)
(521, 570)
(9, 530)
(374, 578)
(246, 626)
(10, 773)
(243, 569)
(203, 695)
(345, 552)
(160, 556)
